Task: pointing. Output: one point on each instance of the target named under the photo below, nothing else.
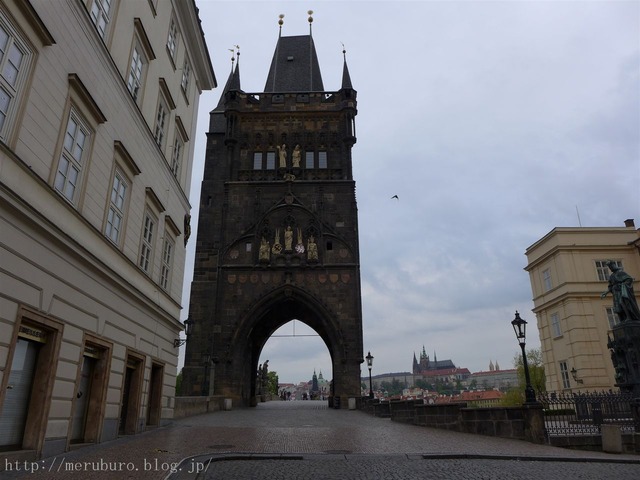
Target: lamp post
(369, 358)
(188, 330)
(520, 328)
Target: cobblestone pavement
(305, 440)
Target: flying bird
(396, 197)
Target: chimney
(629, 223)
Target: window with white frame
(146, 248)
(546, 280)
(14, 60)
(167, 259)
(602, 270)
(555, 325)
(612, 317)
(176, 155)
(72, 157)
(100, 10)
(186, 76)
(117, 201)
(172, 40)
(161, 122)
(134, 82)
(564, 375)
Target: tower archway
(277, 228)
(257, 326)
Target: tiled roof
(294, 67)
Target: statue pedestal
(625, 355)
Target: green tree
(423, 384)
(272, 383)
(179, 384)
(536, 369)
(393, 388)
(515, 396)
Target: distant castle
(425, 365)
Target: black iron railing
(584, 413)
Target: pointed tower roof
(233, 83)
(346, 78)
(294, 67)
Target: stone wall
(190, 406)
(520, 423)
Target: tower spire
(346, 78)
(233, 82)
(310, 19)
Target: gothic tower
(277, 231)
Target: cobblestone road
(306, 440)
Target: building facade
(277, 228)
(98, 109)
(568, 273)
(494, 379)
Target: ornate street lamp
(188, 329)
(520, 329)
(369, 358)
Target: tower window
(322, 159)
(257, 161)
(309, 160)
(271, 160)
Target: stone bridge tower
(278, 227)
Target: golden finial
(281, 21)
(310, 12)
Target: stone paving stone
(289, 435)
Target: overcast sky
(493, 122)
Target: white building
(98, 108)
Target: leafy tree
(536, 369)
(423, 384)
(272, 383)
(393, 388)
(179, 384)
(515, 396)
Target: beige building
(98, 109)
(568, 273)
